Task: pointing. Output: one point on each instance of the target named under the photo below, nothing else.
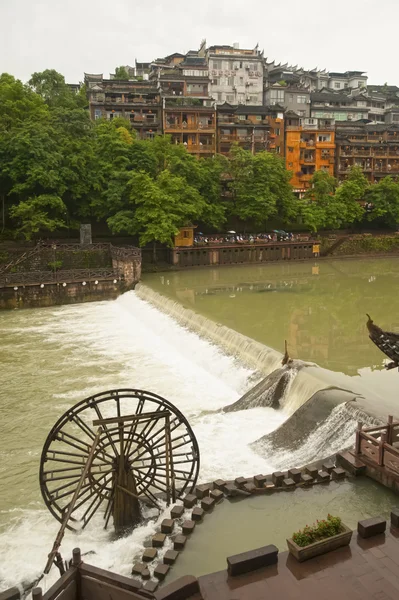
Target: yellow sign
(316, 248)
(315, 270)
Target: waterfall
(253, 354)
(296, 387)
(335, 433)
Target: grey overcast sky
(74, 36)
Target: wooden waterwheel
(114, 450)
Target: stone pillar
(85, 234)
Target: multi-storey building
(371, 146)
(315, 79)
(189, 114)
(137, 101)
(350, 80)
(236, 75)
(291, 97)
(338, 106)
(309, 147)
(254, 128)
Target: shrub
(313, 533)
(55, 265)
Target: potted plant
(328, 534)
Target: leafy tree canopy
(121, 73)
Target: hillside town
(217, 96)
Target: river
(52, 358)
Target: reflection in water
(320, 308)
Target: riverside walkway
(368, 569)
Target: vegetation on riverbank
(58, 168)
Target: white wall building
(236, 76)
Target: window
(278, 149)
(337, 85)
(253, 99)
(241, 80)
(258, 117)
(242, 117)
(277, 131)
(301, 99)
(217, 64)
(277, 95)
(290, 149)
(301, 113)
(231, 81)
(97, 113)
(230, 97)
(324, 137)
(290, 165)
(359, 83)
(395, 118)
(291, 97)
(186, 234)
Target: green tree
(121, 73)
(384, 196)
(157, 208)
(351, 192)
(319, 208)
(18, 104)
(51, 86)
(260, 186)
(40, 213)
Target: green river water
(318, 307)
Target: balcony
(361, 152)
(189, 127)
(204, 148)
(309, 160)
(144, 122)
(130, 102)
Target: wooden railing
(63, 276)
(379, 444)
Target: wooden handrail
(368, 437)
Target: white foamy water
(56, 357)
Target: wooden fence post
(381, 449)
(390, 430)
(37, 593)
(76, 557)
(358, 437)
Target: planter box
(302, 553)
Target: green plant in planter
(322, 530)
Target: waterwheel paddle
(113, 450)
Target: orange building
(309, 147)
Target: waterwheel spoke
(133, 427)
(111, 441)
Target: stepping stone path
(177, 511)
(198, 513)
(149, 554)
(161, 571)
(188, 527)
(167, 525)
(174, 530)
(170, 557)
